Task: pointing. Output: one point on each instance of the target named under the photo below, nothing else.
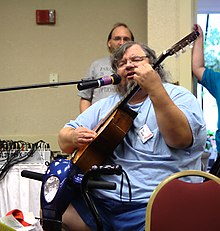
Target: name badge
(145, 133)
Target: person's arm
(70, 138)
(84, 104)
(198, 66)
(172, 122)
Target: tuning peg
(191, 45)
(183, 50)
(177, 54)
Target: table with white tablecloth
(17, 192)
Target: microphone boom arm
(81, 85)
(43, 85)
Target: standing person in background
(119, 34)
(211, 81)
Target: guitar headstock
(186, 41)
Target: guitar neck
(132, 91)
(121, 104)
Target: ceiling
(208, 6)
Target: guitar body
(109, 136)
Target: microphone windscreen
(116, 79)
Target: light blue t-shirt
(211, 81)
(147, 164)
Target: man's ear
(108, 44)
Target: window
(210, 24)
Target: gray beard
(123, 89)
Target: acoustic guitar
(113, 128)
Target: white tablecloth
(17, 192)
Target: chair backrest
(177, 205)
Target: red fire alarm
(45, 16)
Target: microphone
(106, 80)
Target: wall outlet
(53, 78)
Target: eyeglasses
(133, 59)
(118, 38)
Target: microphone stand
(43, 85)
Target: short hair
(118, 25)
(151, 55)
